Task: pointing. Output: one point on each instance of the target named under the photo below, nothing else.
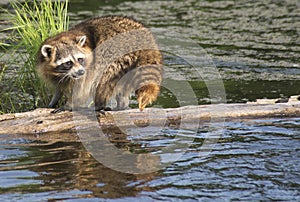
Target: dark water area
(251, 47)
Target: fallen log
(41, 120)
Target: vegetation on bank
(31, 22)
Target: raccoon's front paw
(58, 110)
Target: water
(256, 49)
(253, 160)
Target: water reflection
(61, 166)
(254, 160)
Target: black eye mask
(64, 67)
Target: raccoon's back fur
(100, 58)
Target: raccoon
(101, 58)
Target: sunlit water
(256, 49)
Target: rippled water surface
(255, 47)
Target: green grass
(31, 23)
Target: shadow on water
(256, 49)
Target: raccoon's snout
(78, 73)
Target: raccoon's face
(66, 59)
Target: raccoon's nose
(80, 72)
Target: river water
(251, 47)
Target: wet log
(41, 121)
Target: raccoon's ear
(81, 40)
(47, 50)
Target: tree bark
(41, 121)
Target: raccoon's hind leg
(101, 100)
(122, 101)
(147, 94)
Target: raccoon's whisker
(62, 79)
